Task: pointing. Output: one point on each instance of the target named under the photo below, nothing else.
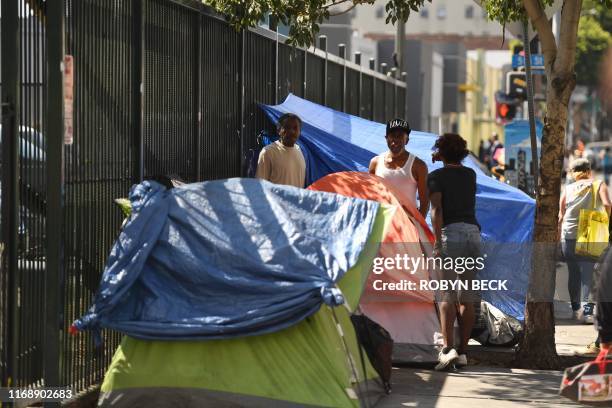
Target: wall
(478, 121)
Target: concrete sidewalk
(475, 387)
(571, 336)
(486, 386)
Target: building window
(484, 14)
(469, 12)
(441, 12)
(380, 12)
(424, 12)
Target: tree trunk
(537, 348)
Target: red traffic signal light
(505, 107)
(506, 112)
(503, 110)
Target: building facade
(447, 17)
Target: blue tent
(227, 258)
(333, 141)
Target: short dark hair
(288, 116)
(452, 147)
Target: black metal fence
(160, 87)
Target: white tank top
(402, 178)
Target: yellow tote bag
(593, 233)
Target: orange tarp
(408, 236)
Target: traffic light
(516, 84)
(505, 107)
(518, 49)
(505, 112)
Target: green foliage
(504, 11)
(125, 205)
(600, 10)
(303, 17)
(401, 9)
(593, 41)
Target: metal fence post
(273, 25)
(394, 79)
(323, 46)
(373, 68)
(383, 69)
(54, 276)
(360, 86)
(10, 187)
(404, 76)
(342, 54)
(241, 132)
(197, 99)
(305, 70)
(138, 89)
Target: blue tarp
(227, 258)
(333, 141)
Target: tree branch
(570, 18)
(540, 22)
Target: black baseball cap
(395, 124)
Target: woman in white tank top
(577, 196)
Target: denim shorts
(460, 241)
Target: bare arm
(562, 207)
(373, 163)
(263, 166)
(605, 197)
(437, 220)
(419, 172)
(561, 215)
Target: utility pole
(530, 105)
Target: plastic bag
(593, 233)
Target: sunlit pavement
(488, 387)
(475, 387)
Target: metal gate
(99, 94)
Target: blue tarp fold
(227, 258)
(333, 141)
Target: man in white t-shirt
(282, 162)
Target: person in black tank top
(452, 193)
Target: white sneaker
(444, 360)
(461, 360)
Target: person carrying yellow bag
(590, 198)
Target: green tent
(314, 363)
